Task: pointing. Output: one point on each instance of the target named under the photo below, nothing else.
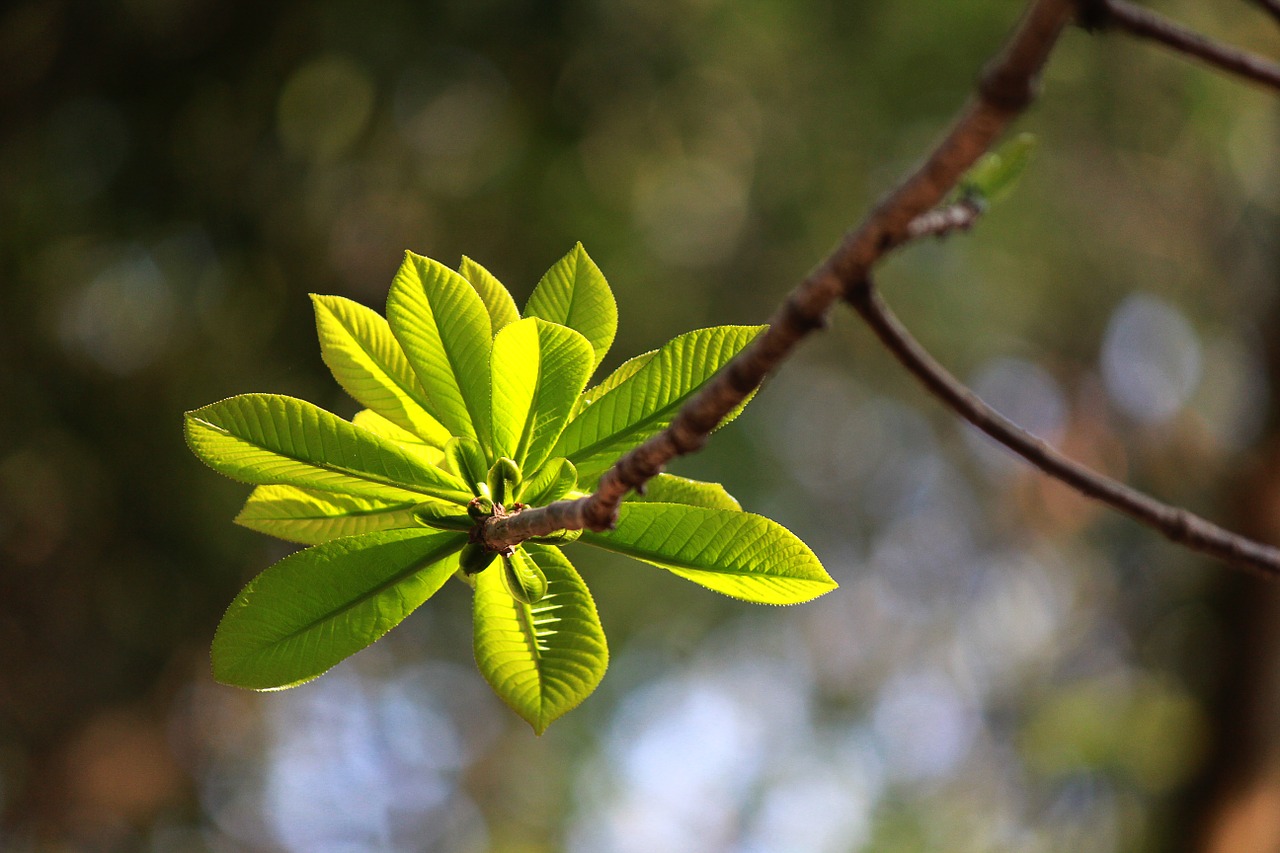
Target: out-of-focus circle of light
(324, 108)
(1150, 359)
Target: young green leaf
(367, 419)
(465, 457)
(497, 299)
(444, 328)
(269, 439)
(541, 659)
(995, 175)
(539, 369)
(645, 403)
(625, 371)
(366, 359)
(316, 607)
(739, 554)
(574, 293)
(670, 489)
(551, 482)
(311, 517)
(524, 580)
(504, 478)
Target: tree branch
(1176, 524)
(1005, 89)
(1270, 6)
(1146, 24)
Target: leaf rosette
(472, 409)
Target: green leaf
(643, 404)
(366, 359)
(539, 369)
(551, 482)
(311, 517)
(269, 439)
(994, 176)
(625, 371)
(736, 553)
(465, 457)
(574, 293)
(367, 419)
(497, 299)
(444, 328)
(670, 489)
(286, 627)
(525, 581)
(541, 659)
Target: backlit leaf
(541, 659)
(444, 328)
(646, 402)
(269, 439)
(311, 517)
(574, 293)
(539, 369)
(366, 359)
(497, 299)
(739, 554)
(670, 489)
(554, 480)
(316, 607)
(375, 423)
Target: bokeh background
(1004, 667)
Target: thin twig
(1176, 524)
(943, 221)
(1271, 6)
(1005, 89)
(1146, 24)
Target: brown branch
(1270, 6)
(1176, 524)
(943, 221)
(1146, 24)
(1005, 89)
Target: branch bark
(1146, 24)
(1006, 88)
(1174, 523)
(1270, 6)
(909, 212)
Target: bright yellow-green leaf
(366, 359)
(644, 403)
(554, 480)
(524, 580)
(269, 439)
(541, 659)
(670, 489)
(739, 554)
(444, 328)
(375, 423)
(574, 293)
(539, 369)
(318, 606)
(625, 371)
(311, 517)
(497, 299)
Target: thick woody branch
(1176, 524)
(1007, 86)
(1146, 24)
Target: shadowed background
(1004, 667)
